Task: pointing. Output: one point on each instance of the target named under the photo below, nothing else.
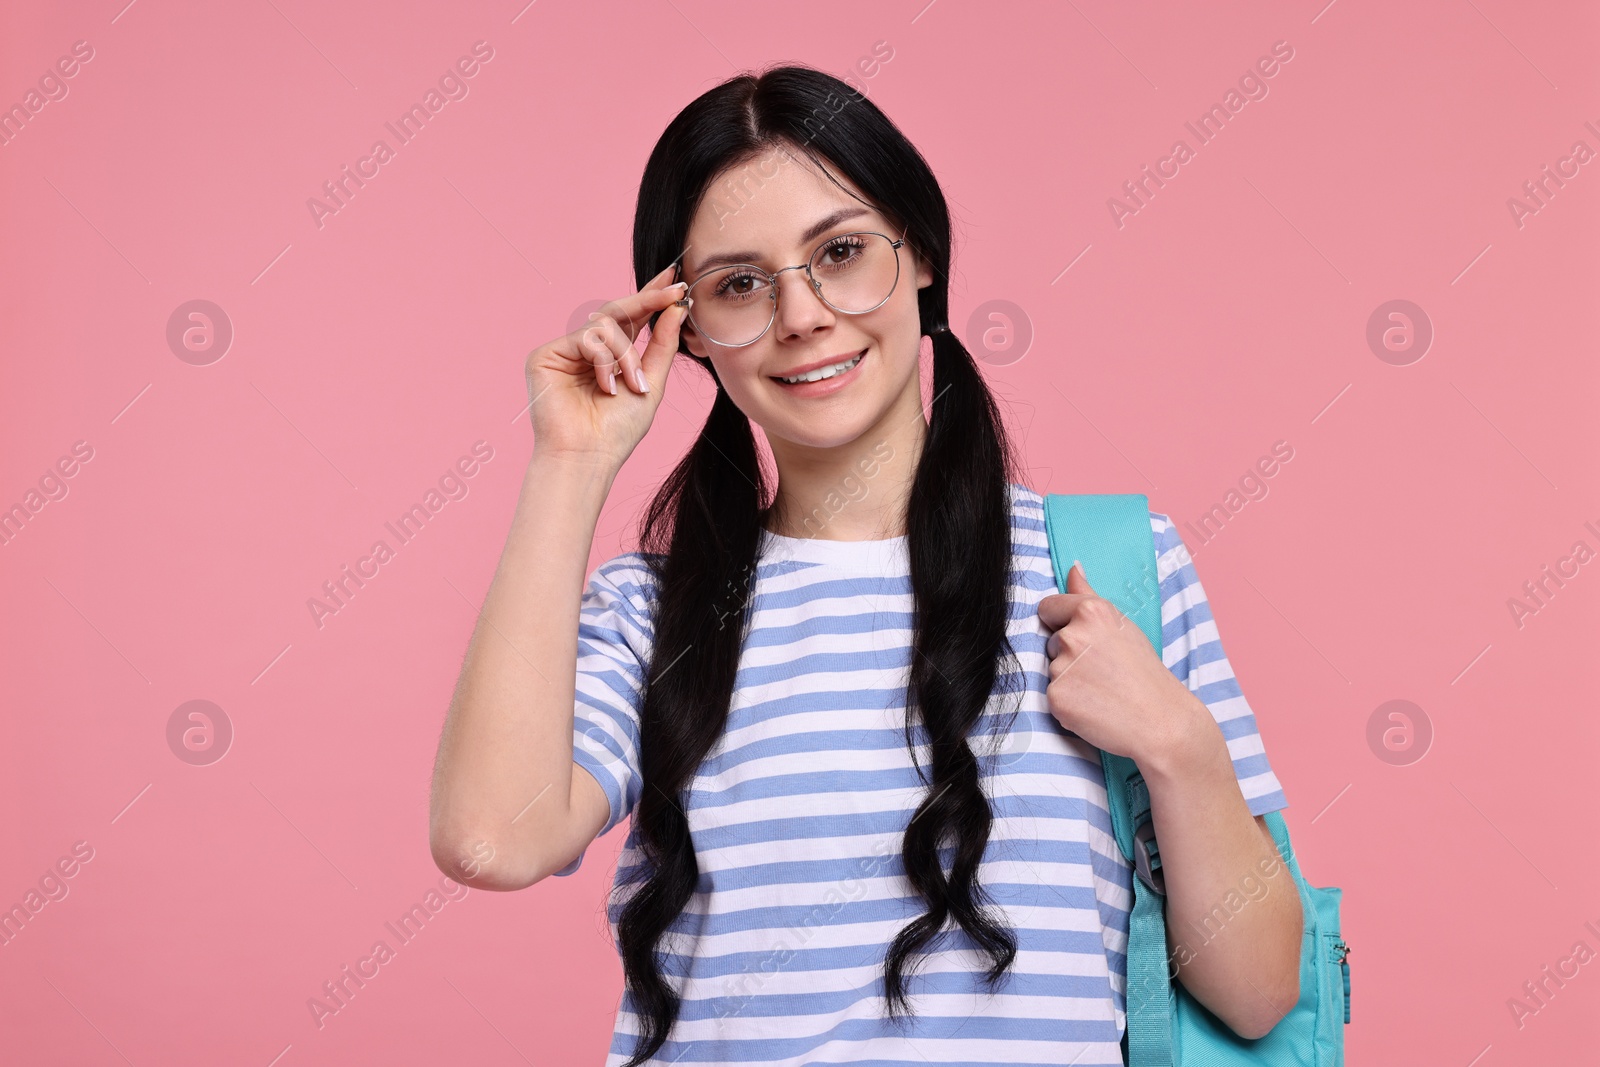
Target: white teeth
(823, 372)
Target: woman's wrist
(1191, 746)
(549, 469)
(575, 460)
(561, 498)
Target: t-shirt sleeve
(614, 647)
(1192, 650)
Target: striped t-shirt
(798, 812)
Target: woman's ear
(691, 339)
(924, 271)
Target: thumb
(656, 359)
(1076, 581)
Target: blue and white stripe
(798, 811)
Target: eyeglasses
(853, 273)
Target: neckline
(883, 555)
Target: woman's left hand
(1107, 685)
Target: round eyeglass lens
(856, 272)
(853, 273)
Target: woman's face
(782, 218)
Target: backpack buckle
(1147, 858)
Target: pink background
(371, 353)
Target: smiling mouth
(821, 373)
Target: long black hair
(701, 534)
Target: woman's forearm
(1232, 907)
(503, 774)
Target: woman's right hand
(586, 401)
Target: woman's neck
(856, 492)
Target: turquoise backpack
(1110, 534)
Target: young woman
(854, 725)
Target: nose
(801, 311)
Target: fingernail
(1078, 565)
(638, 378)
(593, 315)
(611, 383)
(679, 285)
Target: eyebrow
(817, 229)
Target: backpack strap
(1111, 536)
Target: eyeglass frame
(772, 280)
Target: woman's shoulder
(1027, 508)
(1026, 498)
